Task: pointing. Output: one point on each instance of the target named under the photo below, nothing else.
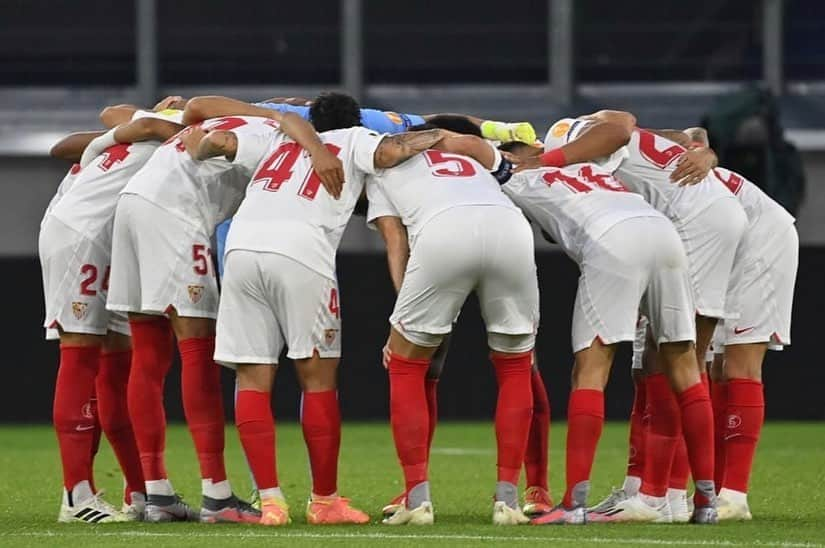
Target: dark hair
(513, 146)
(332, 110)
(454, 122)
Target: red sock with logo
(96, 435)
(535, 459)
(409, 417)
(112, 382)
(585, 420)
(256, 428)
(719, 401)
(431, 391)
(638, 426)
(746, 414)
(321, 424)
(151, 359)
(514, 411)
(203, 404)
(663, 433)
(697, 425)
(74, 422)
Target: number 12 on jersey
(277, 169)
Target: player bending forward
(465, 236)
(280, 270)
(75, 249)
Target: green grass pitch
(787, 495)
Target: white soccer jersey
(762, 211)
(428, 184)
(286, 210)
(644, 166)
(575, 204)
(62, 188)
(200, 193)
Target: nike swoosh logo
(731, 436)
(83, 428)
(738, 331)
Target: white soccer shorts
(75, 282)
(487, 249)
(639, 262)
(270, 301)
(160, 262)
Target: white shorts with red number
(486, 249)
(270, 301)
(639, 263)
(762, 286)
(710, 240)
(75, 278)
(160, 262)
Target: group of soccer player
(675, 253)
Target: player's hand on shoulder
(191, 139)
(330, 170)
(173, 101)
(522, 164)
(693, 166)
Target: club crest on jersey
(329, 335)
(195, 293)
(734, 421)
(86, 410)
(560, 129)
(394, 117)
(79, 309)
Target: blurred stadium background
(671, 63)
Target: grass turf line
(787, 500)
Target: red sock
(74, 422)
(151, 360)
(431, 391)
(514, 411)
(321, 423)
(96, 434)
(638, 424)
(663, 432)
(746, 413)
(697, 425)
(256, 428)
(535, 459)
(408, 416)
(585, 420)
(112, 382)
(203, 404)
(719, 400)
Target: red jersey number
(334, 309)
(90, 272)
(733, 182)
(113, 155)
(449, 165)
(658, 157)
(277, 169)
(584, 181)
(200, 259)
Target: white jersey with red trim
(62, 188)
(87, 201)
(429, 184)
(575, 204)
(286, 210)
(200, 193)
(763, 212)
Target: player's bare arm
(171, 102)
(395, 149)
(115, 115)
(469, 145)
(395, 238)
(71, 147)
(146, 129)
(202, 145)
(698, 135)
(202, 108)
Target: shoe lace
(100, 504)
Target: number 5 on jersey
(277, 169)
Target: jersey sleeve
(388, 122)
(252, 146)
(363, 145)
(562, 132)
(170, 115)
(301, 111)
(379, 204)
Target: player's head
(333, 110)
(520, 150)
(453, 122)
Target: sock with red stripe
(638, 434)
(151, 359)
(663, 432)
(697, 425)
(321, 424)
(585, 420)
(514, 411)
(112, 382)
(203, 404)
(431, 391)
(719, 401)
(535, 459)
(746, 413)
(74, 422)
(256, 428)
(409, 417)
